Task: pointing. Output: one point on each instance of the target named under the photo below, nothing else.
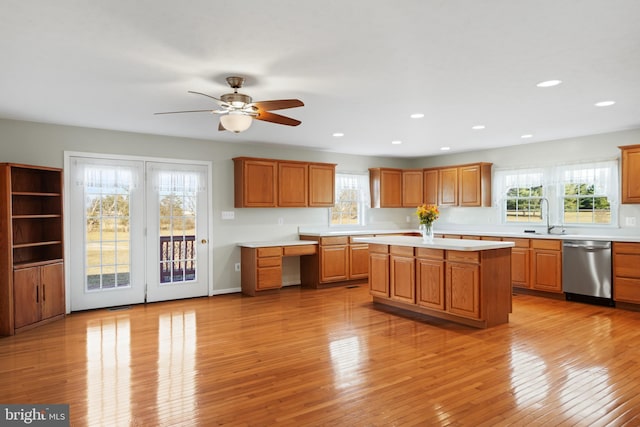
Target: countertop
(438, 243)
(355, 232)
(276, 243)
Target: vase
(427, 233)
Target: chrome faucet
(549, 227)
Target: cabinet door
(631, 174)
(412, 193)
(322, 178)
(469, 190)
(463, 289)
(448, 186)
(430, 186)
(26, 296)
(379, 275)
(292, 184)
(255, 183)
(520, 267)
(269, 278)
(358, 261)
(334, 263)
(52, 290)
(546, 270)
(403, 283)
(430, 283)
(386, 187)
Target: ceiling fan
(237, 110)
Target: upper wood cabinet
(430, 186)
(474, 185)
(269, 183)
(630, 173)
(386, 187)
(322, 178)
(293, 178)
(412, 182)
(448, 186)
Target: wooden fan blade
(279, 104)
(188, 111)
(277, 118)
(220, 127)
(218, 101)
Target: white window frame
(360, 182)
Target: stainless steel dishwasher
(586, 271)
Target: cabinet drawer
(429, 253)
(626, 248)
(334, 240)
(270, 262)
(378, 248)
(551, 245)
(626, 265)
(299, 250)
(627, 290)
(460, 256)
(270, 251)
(401, 250)
(520, 243)
(269, 278)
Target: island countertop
(438, 243)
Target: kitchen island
(465, 281)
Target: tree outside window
(583, 206)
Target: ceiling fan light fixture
(236, 122)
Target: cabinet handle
(37, 294)
(44, 295)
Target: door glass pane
(107, 242)
(177, 227)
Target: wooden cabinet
(430, 186)
(358, 260)
(38, 294)
(463, 283)
(402, 274)
(520, 263)
(334, 259)
(448, 186)
(630, 173)
(475, 185)
(322, 177)
(31, 246)
(430, 278)
(293, 178)
(269, 183)
(412, 193)
(255, 183)
(546, 265)
(626, 272)
(386, 187)
(379, 270)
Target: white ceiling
(360, 66)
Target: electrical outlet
(228, 215)
(630, 221)
(280, 221)
(408, 218)
(237, 266)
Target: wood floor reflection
(327, 357)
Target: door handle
(203, 241)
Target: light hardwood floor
(327, 357)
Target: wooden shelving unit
(31, 246)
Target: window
(587, 192)
(352, 197)
(583, 193)
(522, 192)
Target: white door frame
(66, 220)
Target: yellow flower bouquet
(427, 214)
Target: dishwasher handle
(588, 246)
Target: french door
(138, 231)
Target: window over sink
(352, 199)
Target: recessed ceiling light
(396, 142)
(445, 148)
(526, 135)
(417, 116)
(478, 127)
(338, 134)
(604, 103)
(549, 83)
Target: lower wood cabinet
(430, 278)
(38, 294)
(463, 283)
(402, 274)
(358, 260)
(340, 259)
(334, 262)
(626, 272)
(546, 265)
(379, 270)
(520, 263)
